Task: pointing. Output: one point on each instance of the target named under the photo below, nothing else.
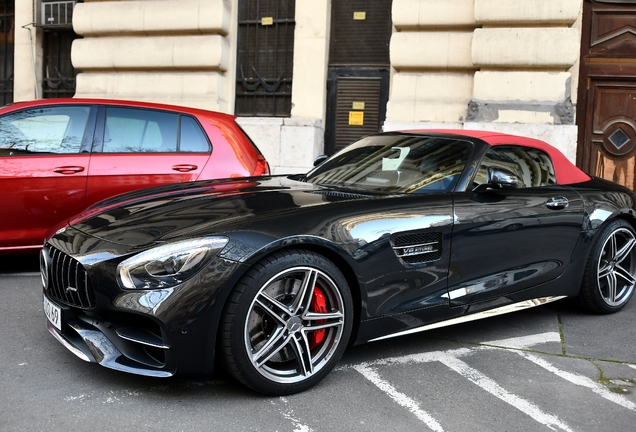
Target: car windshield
(402, 163)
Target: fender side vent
(345, 195)
(418, 248)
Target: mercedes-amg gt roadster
(275, 276)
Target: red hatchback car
(58, 156)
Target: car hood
(202, 208)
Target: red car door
(138, 148)
(44, 159)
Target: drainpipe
(35, 78)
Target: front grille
(68, 281)
(418, 248)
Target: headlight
(168, 265)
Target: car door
(507, 240)
(44, 159)
(139, 148)
(404, 240)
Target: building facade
(308, 76)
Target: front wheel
(286, 323)
(609, 280)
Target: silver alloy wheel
(280, 322)
(616, 268)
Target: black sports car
(276, 276)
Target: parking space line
(582, 381)
(525, 341)
(400, 398)
(451, 358)
(426, 357)
(496, 390)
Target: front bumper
(154, 332)
(131, 349)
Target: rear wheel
(609, 278)
(287, 323)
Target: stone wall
(506, 65)
(183, 52)
(170, 51)
(502, 65)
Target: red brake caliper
(319, 305)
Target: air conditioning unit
(56, 14)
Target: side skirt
(476, 316)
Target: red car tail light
(262, 167)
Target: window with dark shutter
(359, 63)
(360, 33)
(58, 76)
(265, 57)
(7, 26)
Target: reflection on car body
(277, 275)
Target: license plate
(53, 313)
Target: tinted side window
(192, 138)
(396, 163)
(43, 130)
(531, 166)
(131, 130)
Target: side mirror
(498, 178)
(320, 159)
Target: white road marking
(451, 359)
(496, 390)
(400, 398)
(632, 366)
(288, 413)
(526, 341)
(514, 343)
(582, 381)
(120, 394)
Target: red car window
(45, 130)
(130, 130)
(191, 137)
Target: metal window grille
(265, 57)
(58, 77)
(360, 33)
(7, 28)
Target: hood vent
(418, 248)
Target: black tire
(272, 338)
(609, 278)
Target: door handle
(184, 167)
(557, 203)
(68, 169)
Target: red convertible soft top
(565, 171)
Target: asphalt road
(550, 368)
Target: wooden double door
(607, 91)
